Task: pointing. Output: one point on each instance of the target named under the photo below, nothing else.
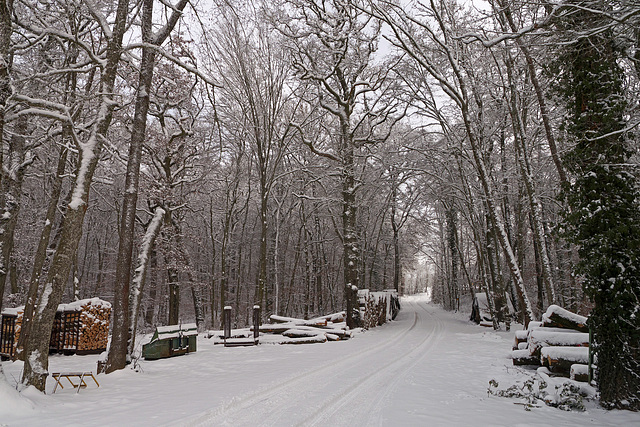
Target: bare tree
(119, 342)
(333, 45)
(36, 355)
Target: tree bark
(140, 273)
(36, 355)
(119, 347)
(11, 194)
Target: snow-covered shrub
(566, 396)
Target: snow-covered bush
(566, 395)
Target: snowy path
(351, 389)
(428, 367)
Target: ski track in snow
(361, 393)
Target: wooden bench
(68, 375)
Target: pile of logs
(377, 308)
(94, 326)
(10, 331)
(299, 331)
(559, 342)
(81, 327)
(290, 330)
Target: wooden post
(256, 323)
(227, 323)
(590, 370)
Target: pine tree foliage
(604, 216)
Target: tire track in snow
(361, 403)
(262, 407)
(375, 416)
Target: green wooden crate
(169, 341)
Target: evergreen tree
(604, 215)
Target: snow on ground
(428, 367)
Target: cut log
(541, 337)
(534, 325)
(561, 318)
(300, 333)
(520, 337)
(283, 327)
(579, 372)
(522, 357)
(312, 322)
(560, 359)
(307, 340)
(332, 337)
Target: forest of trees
(177, 157)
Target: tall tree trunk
(118, 348)
(121, 333)
(174, 296)
(36, 356)
(212, 238)
(396, 240)
(153, 290)
(6, 11)
(261, 282)
(525, 169)
(140, 274)
(10, 196)
(452, 239)
(349, 230)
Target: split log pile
(559, 342)
(94, 326)
(81, 327)
(377, 308)
(10, 332)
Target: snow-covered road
(428, 367)
(349, 388)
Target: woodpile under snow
(290, 330)
(377, 308)
(80, 327)
(559, 342)
(94, 325)
(300, 331)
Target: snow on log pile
(291, 330)
(377, 308)
(80, 327)
(560, 342)
(94, 324)
(11, 326)
(300, 331)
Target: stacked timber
(300, 331)
(81, 327)
(559, 342)
(94, 325)
(10, 331)
(377, 308)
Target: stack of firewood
(375, 311)
(11, 327)
(559, 342)
(377, 308)
(79, 327)
(94, 326)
